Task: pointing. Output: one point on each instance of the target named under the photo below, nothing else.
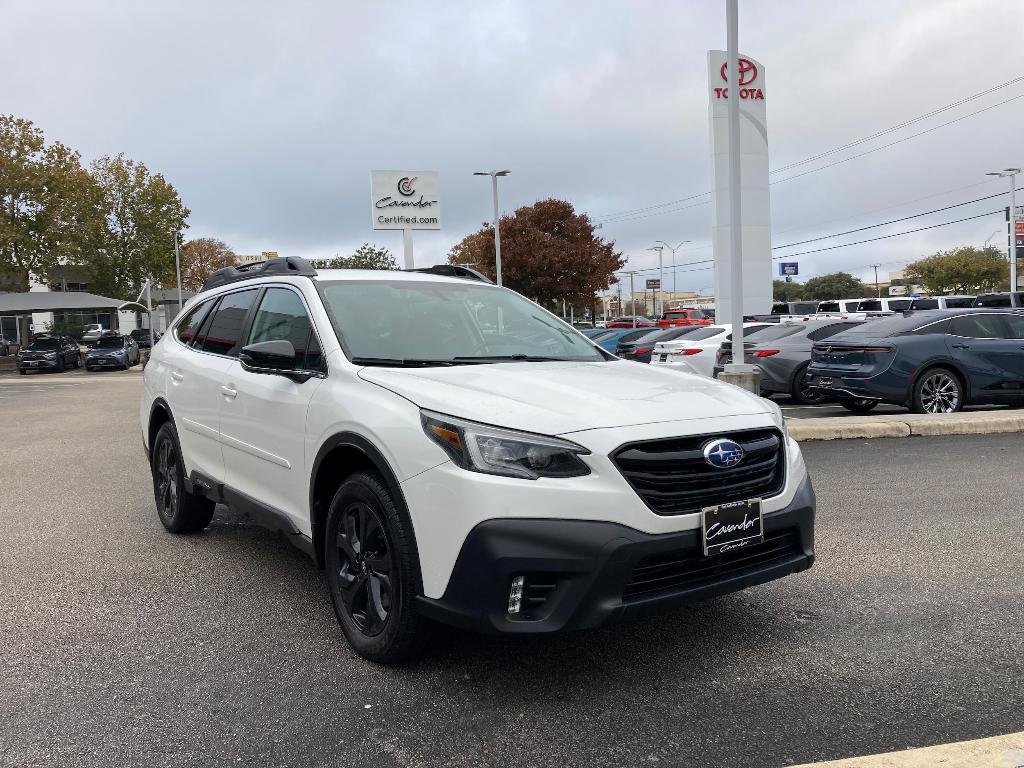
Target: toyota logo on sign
(748, 71)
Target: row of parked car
(108, 351)
(932, 361)
(899, 304)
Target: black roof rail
(453, 270)
(280, 266)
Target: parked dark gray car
(49, 353)
(114, 351)
(783, 353)
(933, 361)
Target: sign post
(405, 200)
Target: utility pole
(1011, 174)
(177, 269)
(673, 250)
(497, 233)
(632, 302)
(878, 292)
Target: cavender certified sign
(405, 199)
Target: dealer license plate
(823, 382)
(731, 526)
(662, 358)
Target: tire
(938, 390)
(373, 597)
(802, 395)
(178, 510)
(23, 372)
(78, 361)
(61, 364)
(859, 405)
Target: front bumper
(583, 573)
(105, 362)
(40, 364)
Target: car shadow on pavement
(561, 665)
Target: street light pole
(177, 269)
(674, 260)
(497, 228)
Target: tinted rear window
(960, 302)
(993, 300)
(829, 306)
(705, 332)
(890, 326)
(978, 326)
(871, 305)
(780, 332)
(185, 330)
(805, 307)
(898, 305)
(223, 332)
(925, 304)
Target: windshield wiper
(507, 358)
(396, 362)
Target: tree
(548, 253)
(783, 291)
(838, 285)
(202, 257)
(50, 204)
(366, 256)
(142, 213)
(961, 270)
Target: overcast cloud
(268, 117)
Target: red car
(675, 318)
(626, 321)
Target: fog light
(515, 595)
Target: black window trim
(251, 318)
(246, 327)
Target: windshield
(40, 345)
(109, 342)
(412, 322)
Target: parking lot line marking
(996, 752)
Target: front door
(979, 343)
(263, 416)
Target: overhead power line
(899, 126)
(891, 221)
(616, 217)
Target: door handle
(961, 346)
(228, 392)
(177, 376)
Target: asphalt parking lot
(124, 645)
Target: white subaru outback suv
(449, 451)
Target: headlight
(497, 451)
(778, 418)
(49, 354)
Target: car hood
(559, 397)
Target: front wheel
(938, 390)
(859, 405)
(372, 572)
(179, 510)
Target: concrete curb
(905, 425)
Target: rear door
(263, 416)
(1015, 354)
(980, 343)
(197, 372)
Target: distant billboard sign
(654, 285)
(789, 269)
(405, 199)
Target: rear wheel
(371, 572)
(179, 510)
(938, 390)
(859, 405)
(803, 394)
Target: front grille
(673, 478)
(683, 570)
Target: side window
(940, 327)
(978, 326)
(1015, 323)
(186, 330)
(282, 317)
(221, 335)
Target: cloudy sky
(269, 116)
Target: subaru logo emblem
(722, 454)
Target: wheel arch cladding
(339, 457)
(159, 414)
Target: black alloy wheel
(179, 510)
(373, 571)
(804, 394)
(859, 404)
(365, 566)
